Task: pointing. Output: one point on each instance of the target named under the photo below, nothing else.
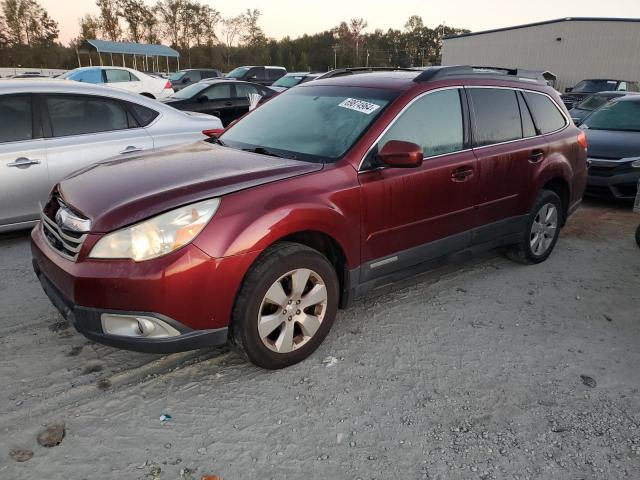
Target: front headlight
(157, 236)
(636, 164)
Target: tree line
(204, 38)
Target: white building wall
(586, 49)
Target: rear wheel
(286, 306)
(541, 233)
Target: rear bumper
(623, 186)
(88, 322)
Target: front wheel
(286, 306)
(542, 230)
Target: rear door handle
(130, 149)
(462, 174)
(228, 104)
(23, 162)
(536, 156)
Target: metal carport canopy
(129, 48)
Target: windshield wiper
(262, 151)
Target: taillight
(213, 133)
(582, 140)
(168, 84)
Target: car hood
(613, 145)
(124, 191)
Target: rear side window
(434, 122)
(143, 115)
(545, 112)
(78, 116)
(15, 119)
(497, 116)
(243, 90)
(117, 76)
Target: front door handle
(536, 156)
(130, 149)
(23, 162)
(462, 174)
(228, 104)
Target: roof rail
(438, 73)
(341, 72)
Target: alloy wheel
(543, 229)
(292, 310)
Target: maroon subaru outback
(328, 190)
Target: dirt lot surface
(469, 372)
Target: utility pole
(367, 57)
(335, 56)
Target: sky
(293, 18)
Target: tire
(541, 234)
(638, 235)
(260, 300)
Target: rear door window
(78, 115)
(15, 118)
(496, 116)
(434, 122)
(545, 112)
(243, 90)
(117, 76)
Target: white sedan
(123, 79)
(51, 128)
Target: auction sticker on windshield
(359, 105)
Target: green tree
(110, 19)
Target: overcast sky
(295, 17)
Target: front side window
(238, 72)
(15, 118)
(274, 73)
(289, 81)
(190, 92)
(218, 92)
(622, 87)
(496, 116)
(545, 112)
(620, 116)
(117, 76)
(75, 115)
(92, 75)
(434, 122)
(315, 124)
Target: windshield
(620, 116)
(317, 124)
(289, 81)
(190, 91)
(176, 76)
(237, 72)
(594, 86)
(593, 102)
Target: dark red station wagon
(326, 191)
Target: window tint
(545, 112)
(528, 128)
(259, 73)
(193, 75)
(208, 74)
(143, 115)
(243, 90)
(497, 116)
(274, 73)
(93, 75)
(117, 76)
(217, 92)
(76, 115)
(434, 122)
(15, 119)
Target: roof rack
(341, 72)
(438, 73)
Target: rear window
(586, 86)
(497, 116)
(15, 119)
(545, 112)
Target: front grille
(601, 171)
(66, 242)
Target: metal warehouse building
(572, 48)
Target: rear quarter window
(546, 113)
(143, 115)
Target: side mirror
(399, 154)
(185, 80)
(203, 98)
(568, 90)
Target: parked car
(184, 78)
(123, 79)
(293, 79)
(593, 102)
(262, 75)
(327, 190)
(49, 129)
(613, 132)
(588, 87)
(226, 99)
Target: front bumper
(623, 186)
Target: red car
(328, 190)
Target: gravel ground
(481, 370)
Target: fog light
(136, 326)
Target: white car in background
(49, 129)
(123, 79)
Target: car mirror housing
(400, 154)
